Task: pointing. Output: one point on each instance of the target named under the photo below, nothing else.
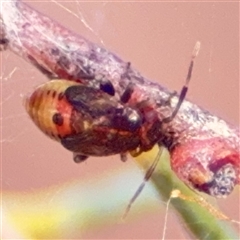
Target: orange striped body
(47, 101)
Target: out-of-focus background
(157, 38)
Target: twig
(206, 146)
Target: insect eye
(58, 119)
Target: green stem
(198, 218)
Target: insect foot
(209, 165)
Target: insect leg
(123, 157)
(78, 158)
(106, 85)
(127, 93)
(184, 90)
(146, 178)
(3, 43)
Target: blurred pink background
(157, 38)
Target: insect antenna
(166, 120)
(146, 178)
(184, 90)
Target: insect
(95, 121)
(92, 122)
(88, 121)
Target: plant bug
(83, 119)
(95, 121)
